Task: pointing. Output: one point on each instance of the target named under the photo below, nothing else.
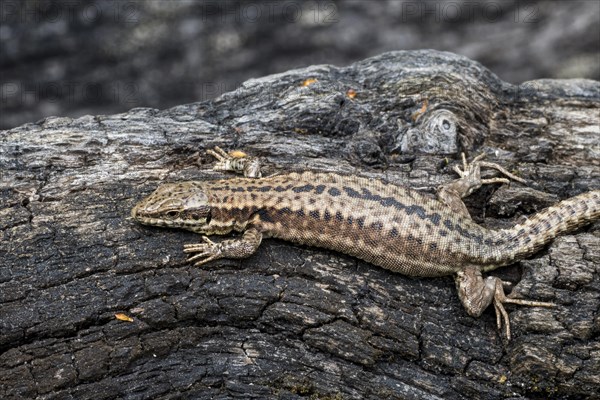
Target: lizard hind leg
(470, 180)
(477, 293)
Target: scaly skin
(387, 225)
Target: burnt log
(292, 321)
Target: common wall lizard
(384, 224)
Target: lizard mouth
(176, 220)
(140, 216)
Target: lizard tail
(524, 239)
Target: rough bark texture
(294, 322)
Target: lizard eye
(172, 214)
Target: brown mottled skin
(387, 225)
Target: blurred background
(76, 57)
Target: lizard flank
(387, 225)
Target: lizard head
(175, 205)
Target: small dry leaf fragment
(308, 82)
(502, 379)
(237, 154)
(123, 317)
(351, 93)
(421, 111)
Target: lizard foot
(207, 251)
(472, 170)
(470, 180)
(502, 315)
(237, 162)
(476, 294)
(233, 248)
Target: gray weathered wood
(293, 322)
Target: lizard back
(382, 223)
(387, 225)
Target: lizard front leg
(476, 294)
(245, 246)
(237, 162)
(232, 248)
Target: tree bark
(291, 321)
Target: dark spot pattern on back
(301, 189)
(334, 192)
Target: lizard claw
(205, 239)
(233, 248)
(500, 298)
(470, 180)
(471, 169)
(476, 294)
(224, 160)
(207, 251)
(236, 161)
